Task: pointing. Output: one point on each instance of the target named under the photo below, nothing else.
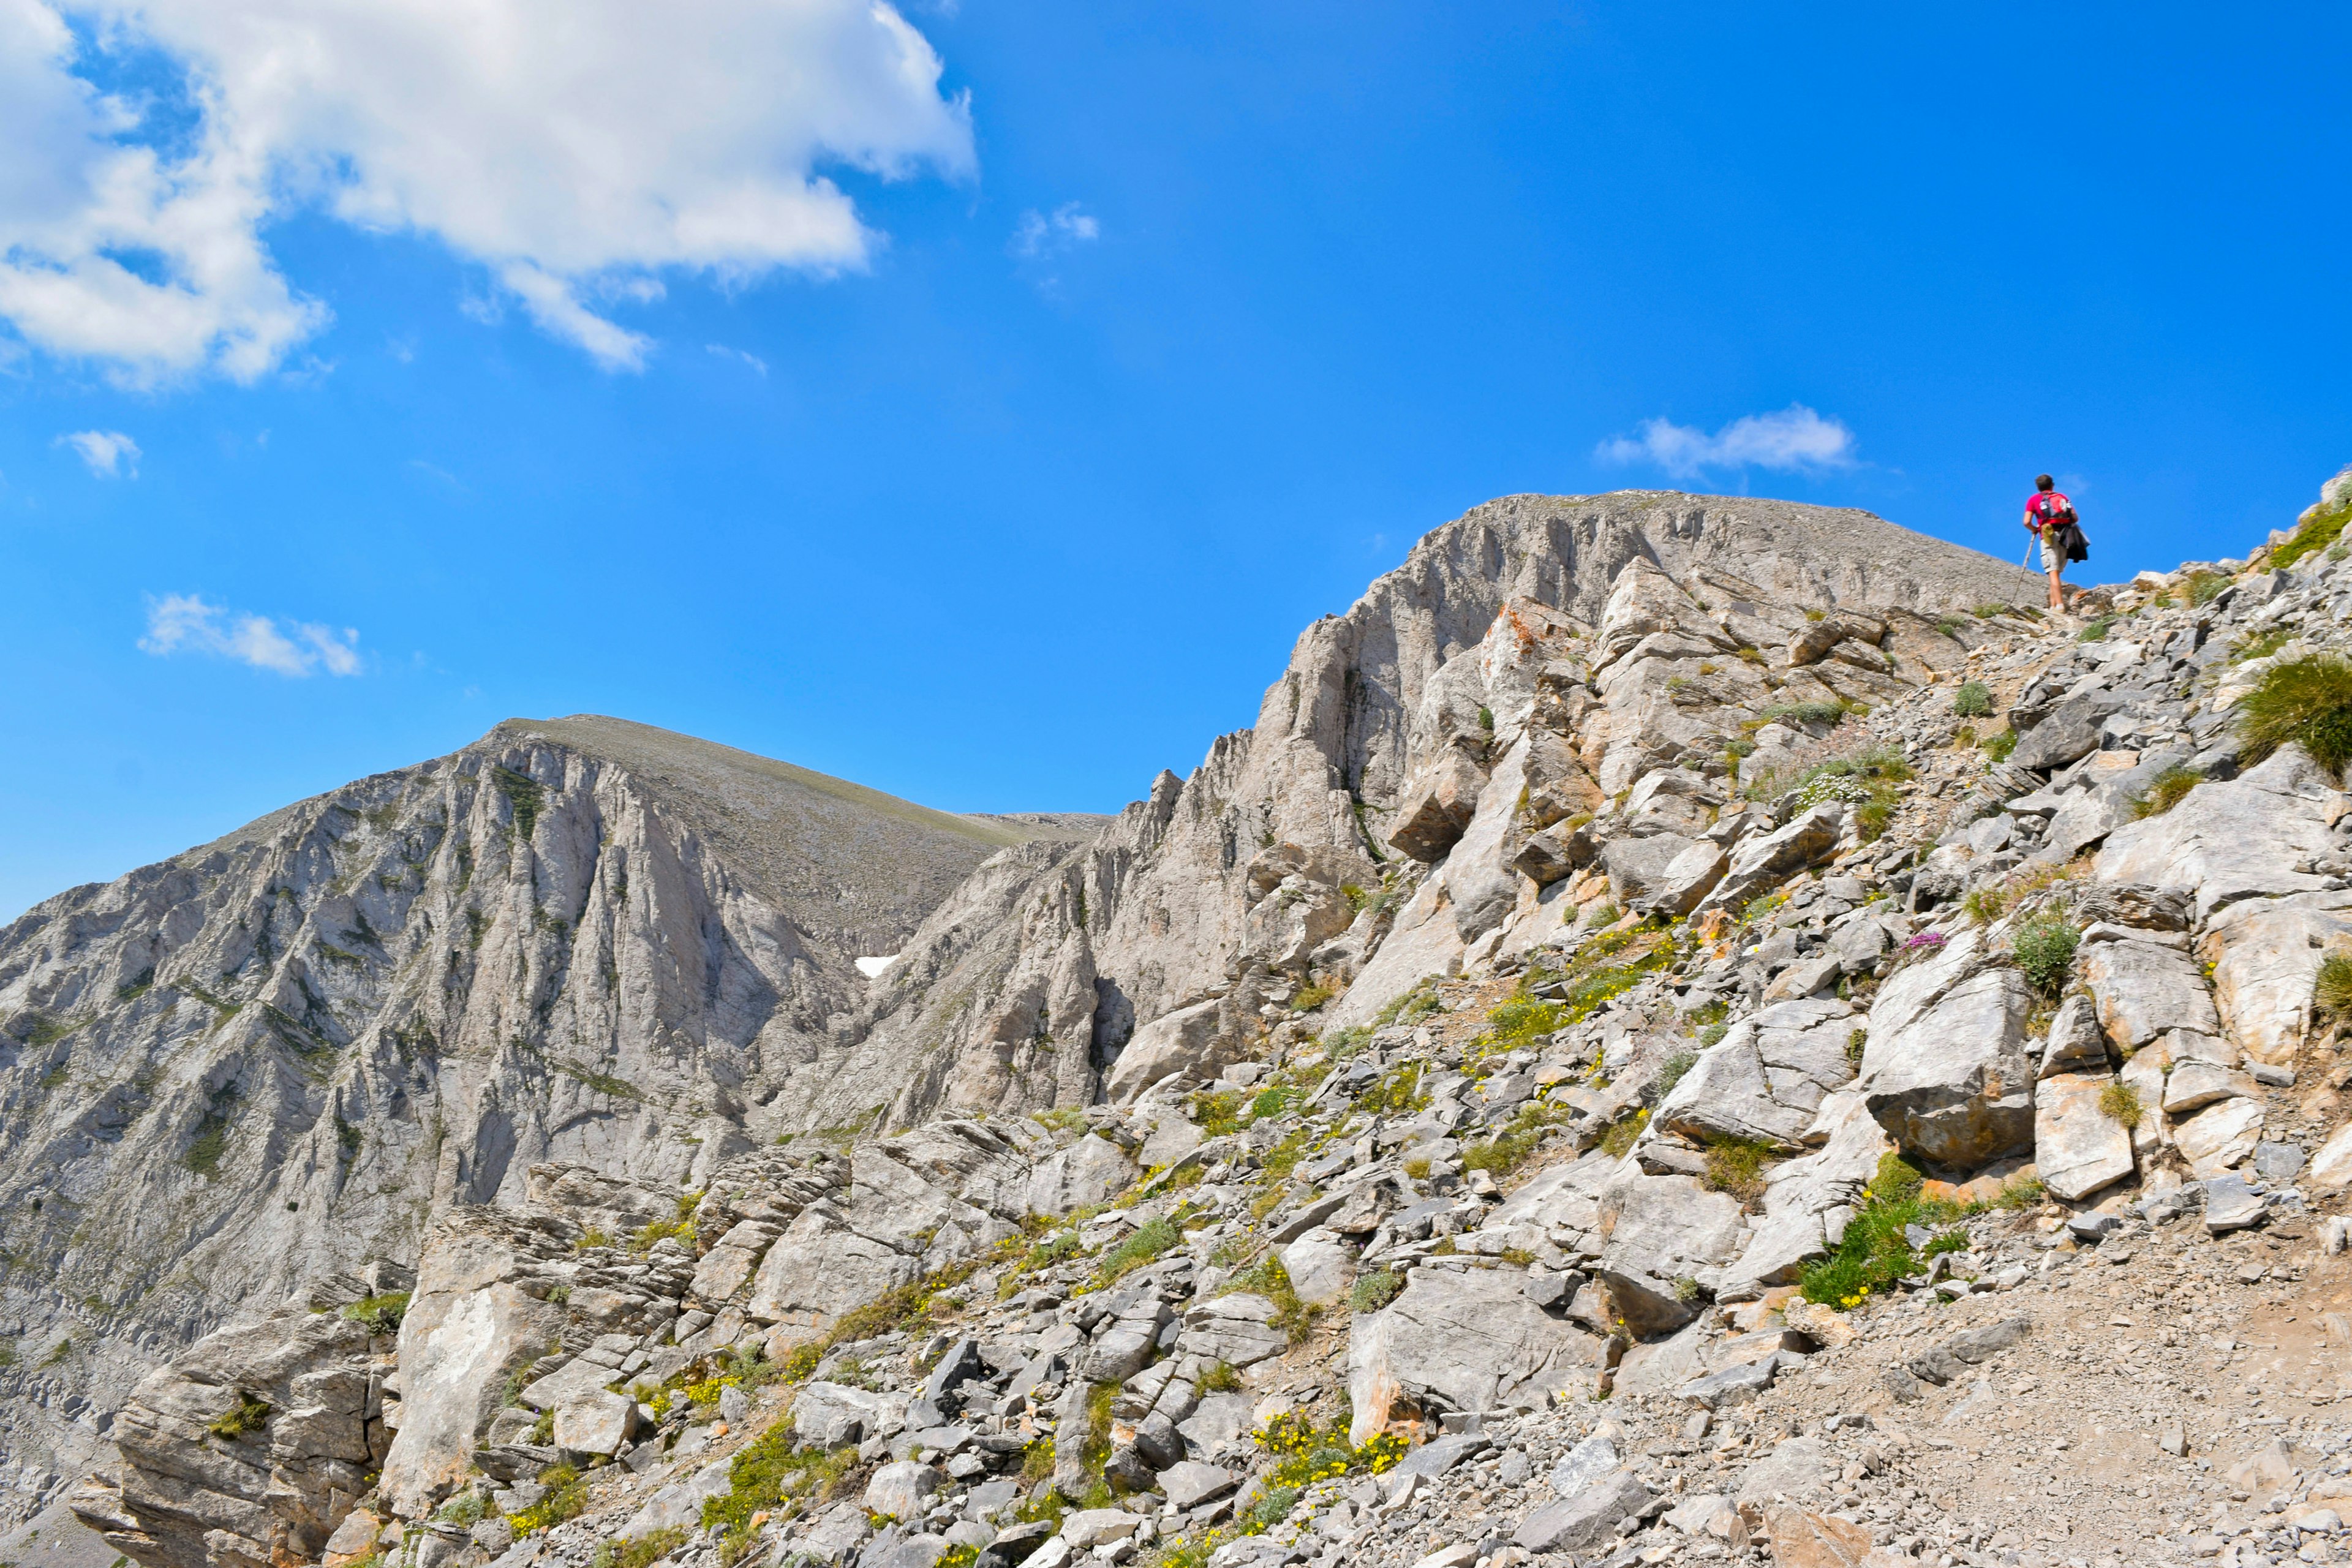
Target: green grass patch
(1145, 1245)
(2305, 702)
(380, 1314)
(2261, 645)
(1420, 1002)
(2096, 631)
(2119, 1102)
(246, 1414)
(1398, 1093)
(526, 797)
(2317, 535)
(2166, 790)
(1737, 1165)
(1874, 1251)
(1831, 713)
(1973, 700)
(2331, 989)
(1374, 1288)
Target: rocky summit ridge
(1691, 1030)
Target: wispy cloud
(186, 623)
(110, 454)
(1795, 438)
(1037, 235)
(754, 360)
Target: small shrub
(1984, 905)
(246, 1414)
(2331, 990)
(1712, 1034)
(1999, 745)
(2045, 953)
(381, 1314)
(1988, 611)
(643, 1551)
(1486, 717)
(1375, 1289)
(1973, 700)
(1857, 1041)
(1949, 626)
(2120, 1104)
(2204, 587)
(1800, 713)
(1341, 1043)
(1308, 997)
(1415, 1005)
(1875, 1251)
(1272, 1101)
(2166, 790)
(1604, 913)
(2019, 1192)
(2306, 702)
(1396, 1094)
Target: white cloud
(576, 149)
(1037, 235)
(109, 453)
(1794, 438)
(185, 623)
(754, 360)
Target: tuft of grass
(2261, 645)
(1396, 1094)
(1949, 626)
(1415, 1005)
(1309, 996)
(1973, 700)
(2331, 990)
(1145, 1246)
(2045, 953)
(1988, 611)
(245, 1416)
(1678, 1064)
(1218, 1377)
(2120, 1104)
(2020, 1193)
(1736, 1166)
(2166, 790)
(2317, 535)
(642, 1550)
(1999, 745)
(2305, 702)
(2097, 630)
(1622, 1133)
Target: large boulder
(2078, 1148)
(1765, 1080)
(1585, 1519)
(2070, 732)
(2269, 956)
(2145, 989)
(1469, 1341)
(1191, 1041)
(1945, 1070)
(2235, 839)
(819, 1269)
(829, 1414)
(1437, 809)
(1088, 1172)
(1666, 1241)
(1762, 861)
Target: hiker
(2049, 517)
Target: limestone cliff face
(284, 1053)
(1025, 1010)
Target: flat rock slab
(1587, 1519)
(2078, 1148)
(1468, 1341)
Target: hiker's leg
(2057, 589)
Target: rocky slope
(282, 1054)
(1403, 1141)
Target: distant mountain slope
(285, 1051)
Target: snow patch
(872, 968)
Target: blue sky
(998, 455)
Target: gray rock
(1664, 1232)
(595, 1425)
(1796, 1468)
(900, 1489)
(2070, 732)
(1945, 1070)
(1436, 810)
(2078, 1148)
(1439, 1455)
(1459, 1341)
(1767, 1077)
(1762, 862)
(1732, 1386)
(2075, 1042)
(1588, 1519)
(1581, 1466)
(1188, 1484)
(829, 1414)
(2231, 1204)
(1238, 1329)
(1191, 1041)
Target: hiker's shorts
(2053, 558)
